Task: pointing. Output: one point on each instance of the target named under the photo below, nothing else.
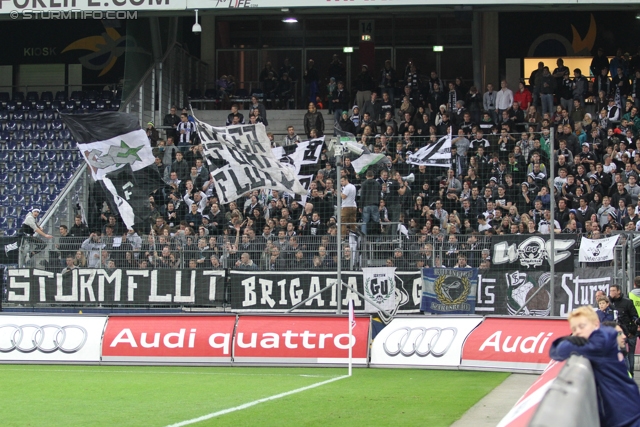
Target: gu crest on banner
(379, 286)
(250, 163)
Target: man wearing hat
(30, 228)
(152, 134)
(587, 156)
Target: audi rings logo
(420, 341)
(45, 339)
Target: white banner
(51, 338)
(423, 341)
(597, 250)
(132, 148)
(438, 154)
(379, 286)
(251, 165)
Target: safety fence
(505, 275)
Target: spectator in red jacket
(523, 96)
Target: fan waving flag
(247, 161)
(110, 140)
(437, 154)
(118, 153)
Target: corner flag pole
(352, 321)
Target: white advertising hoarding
(422, 341)
(51, 338)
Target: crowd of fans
(498, 183)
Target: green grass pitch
(36, 395)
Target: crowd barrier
(564, 395)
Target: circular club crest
(379, 289)
(452, 289)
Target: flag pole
(352, 320)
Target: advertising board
(51, 338)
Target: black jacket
(627, 314)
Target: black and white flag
(250, 163)
(438, 154)
(119, 156)
(598, 250)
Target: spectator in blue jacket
(605, 312)
(618, 396)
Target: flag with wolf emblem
(449, 290)
(380, 287)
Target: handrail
(65, 191)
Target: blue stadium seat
(59, 186)
(52, 197)
(28, 125)
(27, 144)
(50, 155)
(66, 156)
(4, 115)
(76, 164)
(40, 144)
(18, 116)
(11, 106)
(86, 104)
(4, 200)
(73, 145)
(11, 126)
(27, 166)
(4, 178)
(64, 134)
(66, 176)
(51, 178)
(58, 166)
(33, 115)
(19, 156)
(17, 97)
(115, 105)
(41, 126)
(4, 156)
(11, 145)
(18, 198)
(10, 232)
(43, 166)
(36, 199)
(12, 167)
(57, 105)
(10, 188)
(26, 189)
(57, 144)
(61, 96)
(33, 96)
(10, 211)
(48, 115)
(46, 96)
(101, 105)
(33, 134)
(41, 188)
(57, 125)
(3, 222)
(19, 178)
(4, 98)
(41, 106)
(18, 135)
(36, 177)
(49, 134)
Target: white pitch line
(255, 402)
(167, 373)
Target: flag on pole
(352, 316)
(119, 156)
(248, 163)
(437, 154)
(362, 163)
